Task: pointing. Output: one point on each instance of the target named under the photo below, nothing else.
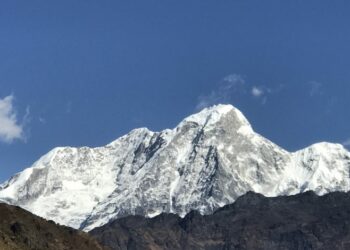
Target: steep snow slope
(207, 161)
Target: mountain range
(207, 161)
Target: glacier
(207, 161)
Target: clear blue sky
(86, 72)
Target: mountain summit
(207, 161)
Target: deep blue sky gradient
(90, 71)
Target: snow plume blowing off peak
(207, 161)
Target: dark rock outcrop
(21, 230)
(304, 221)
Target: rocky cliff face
(207, 161)
(304, 221)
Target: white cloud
(257, 92)
(230, 84)
(10, 129)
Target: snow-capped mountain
(204, 163)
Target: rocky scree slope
(207, 161)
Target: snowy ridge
(206, 162)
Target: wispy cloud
(42, 120)
(315, 88)
(69, 107)
(234, 80)
(262, 92)
(234, 87)
(346, 143)
(321, 92)
(257, 91)
(228, 85)
(10, 127)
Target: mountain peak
(213, 114)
